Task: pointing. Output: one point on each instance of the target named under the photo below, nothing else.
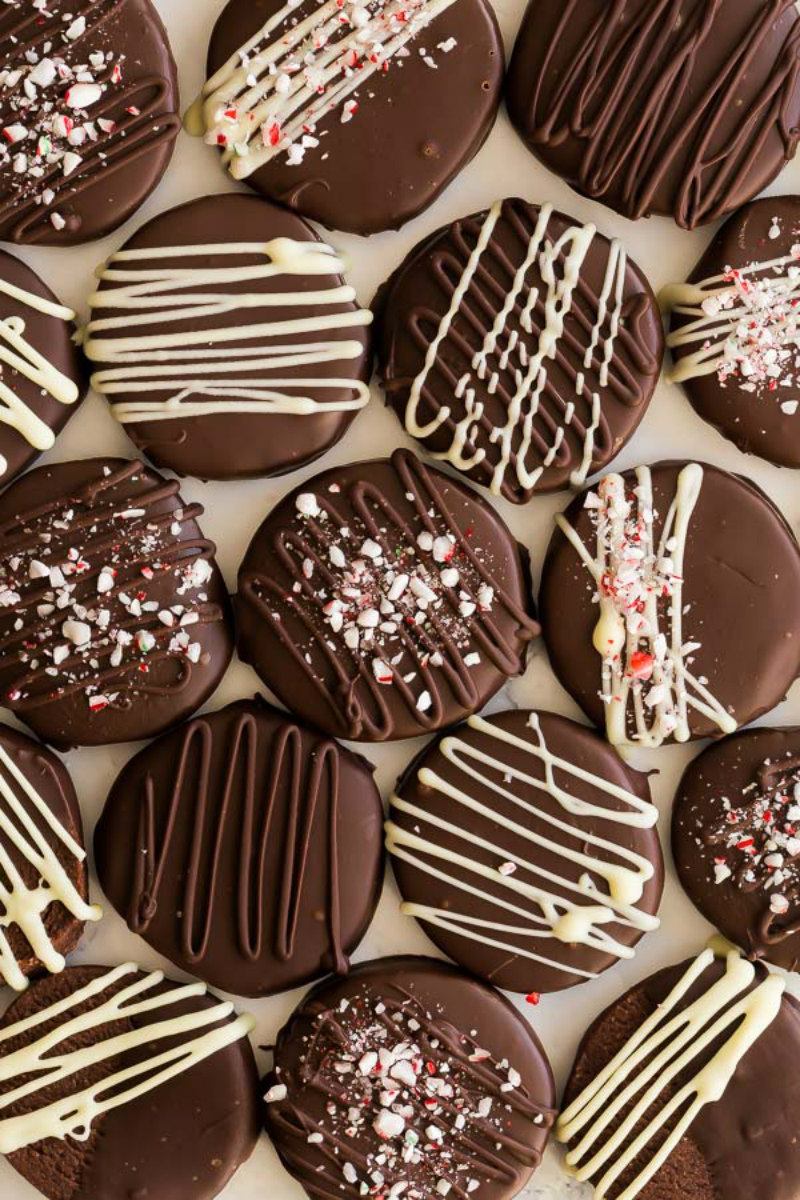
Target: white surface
(233, 512)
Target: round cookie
(249, 355)
(156, 1095)
(668, 603)
(384, 599)
(527, 849)
(736, 844)
(356, 113)
(42, 374)
(89, 94)
(720, 1115)
(113, 613)
(678, 107)
(44, 886)
(521, 381)
(246, 848)
(414, 1071)
(734, 331)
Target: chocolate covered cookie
(409, 1072)
(736, 840)
(683, 1087)
(527, 849)
(357, 113)
(246, 848)
(227, 342)
(687, 108)
(88, 100)
(42, 376)
(735, 331)
(668, 603)
(116, 1084)
(113, 612)
(44, 887)
(384, 599)
(519, 346)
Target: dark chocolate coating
(70, 517)
(49, 777)
(246, 848)
(99, 193)
(736, 807)
(741, 579)
(238, 445)
(744, 1144)
(685, 108)
(184, 1138)
(413, 678)
(52, 338)
(418, 296)
(578, 746)
(416, 126)
(753, 419)
(455, 1022)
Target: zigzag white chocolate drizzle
(504, 353)
(17, 353)
(22, 813)
(638, 1080)
(269, 96)
(42, 1062)
(570, 912)
(634, 574)
(151, 290)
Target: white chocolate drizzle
(505, 344)
(268, 97)
(23, 906)
(42, 1062)
(202, 362)
(638, 1080)
(17, 353)
(571, 913)
(645, 670)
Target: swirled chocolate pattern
(383, 600)
(113, 614)
(409, 1078)
(88, 98)
(736, 840)
(520, 346)
(686, 108)
(246, 848)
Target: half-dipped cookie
(684, 1087)
(44, 886)
(736, 840)
(246, 848)
(356, 113)
(668, 603)
(735, 330)
(520, 346)
(113, 613)
(410, 1073)
(115, 1084)
(88, 104)
(227, 342)
(384, 599)
(42, 374)
(679, 107)
(527, 849)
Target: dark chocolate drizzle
(309, 781)
(630, 74)
(270, 592)
(82, 534)
(135, 133)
